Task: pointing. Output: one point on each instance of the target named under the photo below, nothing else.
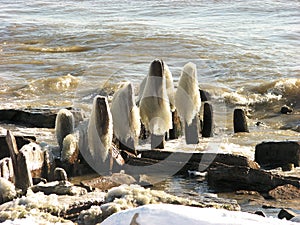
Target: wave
(59, 49)
(50, 85)
(286, 87)
(281, 90)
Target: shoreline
(160, 155)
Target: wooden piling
(191, 131)
(157, 141)
(208, 124)
(240, 121)
(23, 179)
(175, 132)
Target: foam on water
(287, 89)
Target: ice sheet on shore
(179, 214)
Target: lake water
(58, 54)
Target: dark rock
(203, 158)
(21, 140)
(286, 214)
(259, 123)
(287, 191)
(224, 177)
(268, 206)
(37, 180)
(208, 121)
(122, 178)
(286, 109)
(275, 154)
(240, 121)
(288, 167)
(260, 213)
(180, 162)
(104, 183)
(145, 184)
(41, 118)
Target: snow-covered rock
(179, 214)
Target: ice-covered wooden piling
(188, 102)
(154, 105)
(126, 117)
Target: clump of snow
(129, 196)
(38, 208)
(7, 190)
(37, 205)
(90, 216)
(179, 214)
(110, 208)
(37, 221)
(39, 200)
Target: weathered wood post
(23, 179)
(191, 131)
(157, 141)
(240, 121)
(208, 123)
(175, 132)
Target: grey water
(59, 54)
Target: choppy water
(57, 54)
